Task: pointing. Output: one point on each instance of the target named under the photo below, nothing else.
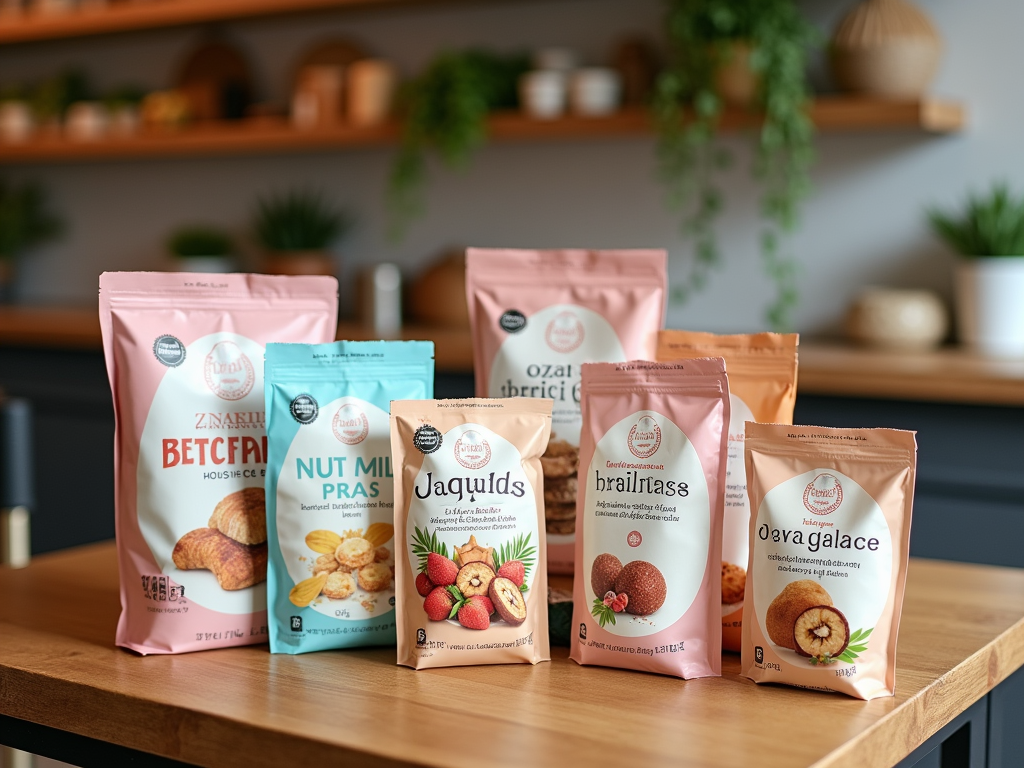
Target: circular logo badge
(564, 333)
(471, 450)
(823, 494)
(350, 424)
(169, 350)
(426, 439)
(229, 372)
(644, 437)
(304, 409)
(512, 321)
(634, 539)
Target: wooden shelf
(265, 136)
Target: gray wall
(863, 225)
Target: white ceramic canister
(595, 91)
(990, 304)
(542, 93)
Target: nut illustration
(644, 586)
(303, 593)
(354, 552)
(474, 579)
(323, 542)
(374, 577)
(793, 600)
(324, 564)
(821, 631)
(604, 572)
(339, 585)
(508, 601)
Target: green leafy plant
(703, 36)
(25, 219)
(857, 645)
(299, 220)
(423, 543)
(52, 97)
(190, 242)
(603, 613)
(445, 110)
(517, 549)
(990, 224)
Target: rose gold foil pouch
(762, 387)
(649, 517)
(829, 542)
(536, 316)
(469, 517)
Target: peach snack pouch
(184, 354)
(536, 316)
(652, 460)
(829, 542)
(470, 558)
(762, 387)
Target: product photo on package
(184, 355)
(829, 544)
(536, 317)
(330, 488)
(649, 535)
(469, 545)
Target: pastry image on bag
(536, 316)
(648, 545)
(829, 543)
(762, 370)
(330, 488)
(472, 576)
(184, 354)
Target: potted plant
(200, 249)
(749, 54)
(296, 229)
(988, 234)
(25, 222)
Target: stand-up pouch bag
(536, 316)
(469, 514)
(330, 488)
(762, 387)
(649, 530)
(829, 542)
(184, 354)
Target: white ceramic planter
(542, 93)
(595, 91)
(990, 304)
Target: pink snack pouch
(653, 455)
(536, 316)
(184, 355)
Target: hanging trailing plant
(445, 109)
(706, 36)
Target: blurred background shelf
(265, 136)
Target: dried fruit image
(644, 586)
(604, 609)
(604, 572)
(475, 579)
(508, 601)
(821, 632)
(472, 552)
(794, 599)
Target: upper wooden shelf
(263, 136)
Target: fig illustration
(508, 601)
(474, 578)
(604, 572)
(782, 614)
(821, 631)
(644, 586)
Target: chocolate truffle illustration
(793, 600)
(644, 586)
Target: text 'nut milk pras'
(829, 542)
(536, 317)
(649, 538)
(184, 354)
(330, 488)
(472, 578)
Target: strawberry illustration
(514, 571)
(440, 570)
(473, 615)
(620, 602)
(438, 604)
(485, 601)
(423, 584)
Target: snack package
(184, 354)
(829, 542)
(649, 543)
(536, 316)
(330, 488)
(470, 554)
(762, 387)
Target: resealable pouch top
(649, 527)
(536, 316)
(762, 371)
(469, 520)
(184, 354)
(330, 488)
(829, 542)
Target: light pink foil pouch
(184, 354)
(536, 316)
(649, 517)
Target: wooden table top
(962, 633)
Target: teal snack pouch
(329, 488)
